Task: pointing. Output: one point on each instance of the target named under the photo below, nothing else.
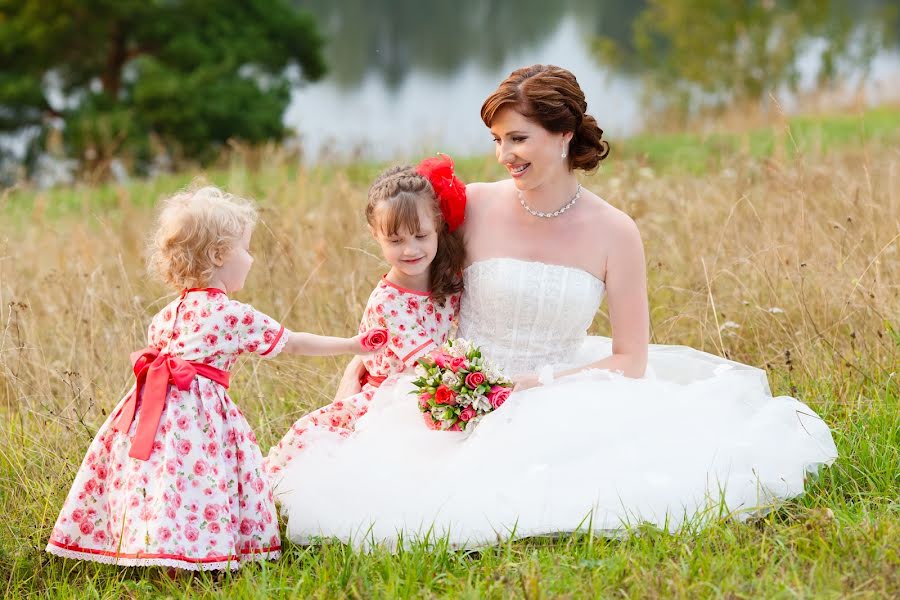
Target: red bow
(154, 372)
(451, 192)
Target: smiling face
(409, 246)
(531, 154)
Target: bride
(599, 434)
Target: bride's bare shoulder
(483, 192)
(611, 222)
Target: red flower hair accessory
(451, 192)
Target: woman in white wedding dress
(600, 434)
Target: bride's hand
(350, 381)
(525, 382)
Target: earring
(563, 155)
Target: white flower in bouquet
(456, 351)
(481, 403)
(450, 379)
(491, 372)
(462, 346)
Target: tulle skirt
(698, 438)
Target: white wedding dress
(699, 437)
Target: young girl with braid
(414, 215)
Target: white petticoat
(697, 438)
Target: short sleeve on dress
(409, 340)
(255, 332)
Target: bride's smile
(598, 433)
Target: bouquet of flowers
(456, 386)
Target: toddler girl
(174, 477)
(414, 215)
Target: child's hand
(371, 341)
(356, 345)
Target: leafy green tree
(721, 52)
(119, 75)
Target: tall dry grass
(791, 265)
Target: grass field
(778, 247)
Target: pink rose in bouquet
(474, 379)
(441, 359)
(498, 395)
(457, 363)
(374, 339)
(456, 387)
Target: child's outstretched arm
(310, 344)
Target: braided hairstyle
(396, 195)
(551, 97)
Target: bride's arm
(629, 315)
(626, 288)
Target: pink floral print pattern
(416, 325)
(203, 499)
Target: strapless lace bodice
(527, 314)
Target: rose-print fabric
(415, 323)
(203, 499)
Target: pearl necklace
(555, 213)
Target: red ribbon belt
(154, 372)
(375, 380)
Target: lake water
(408, 78)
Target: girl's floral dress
(416, 325)
(201, 499)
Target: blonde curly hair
(193, 226)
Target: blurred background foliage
(117, 78)
(147, 87)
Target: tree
(118, 74)
(718, 52)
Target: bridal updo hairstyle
(551, 97)
(393, 205)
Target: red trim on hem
(402, 289)
(416, 351)
(277, 337)
(145, 555)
